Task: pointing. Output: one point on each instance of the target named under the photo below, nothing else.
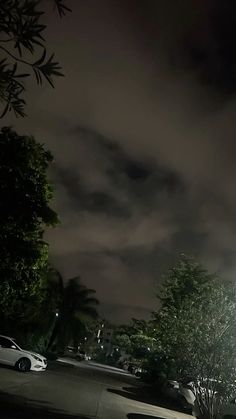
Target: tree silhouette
(21, 35)
(25, 212)
(77, 303)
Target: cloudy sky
(142, 129)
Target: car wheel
(23, 365)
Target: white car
(182, 393)
(11, 354)
(75, 353)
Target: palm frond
(88, 312)
(61, 7)
(92, 301)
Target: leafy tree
(77, 304)
(196, 336)
(123, 342)
(135, 339)
(188, 278)
(25, 194)
(21, 35)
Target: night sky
(142, 129)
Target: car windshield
(16, 343)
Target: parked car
(75, 353)
(182, 393)
(81, 355)
(12, 354)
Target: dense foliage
(23, 52)
(196, 336)
(135, 339)
(192, 337)
(33, 293)
(24, 213)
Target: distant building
(104, 338)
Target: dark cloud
(214, 54)
(142, 129)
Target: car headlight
(37, 358)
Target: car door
(9, 354)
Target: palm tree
(76, 304)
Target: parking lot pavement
(82, 390)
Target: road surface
(79, 391)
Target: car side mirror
(13, 347)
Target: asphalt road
(83, 390)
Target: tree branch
(14, 57)
(7, 40)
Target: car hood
(35, 354)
